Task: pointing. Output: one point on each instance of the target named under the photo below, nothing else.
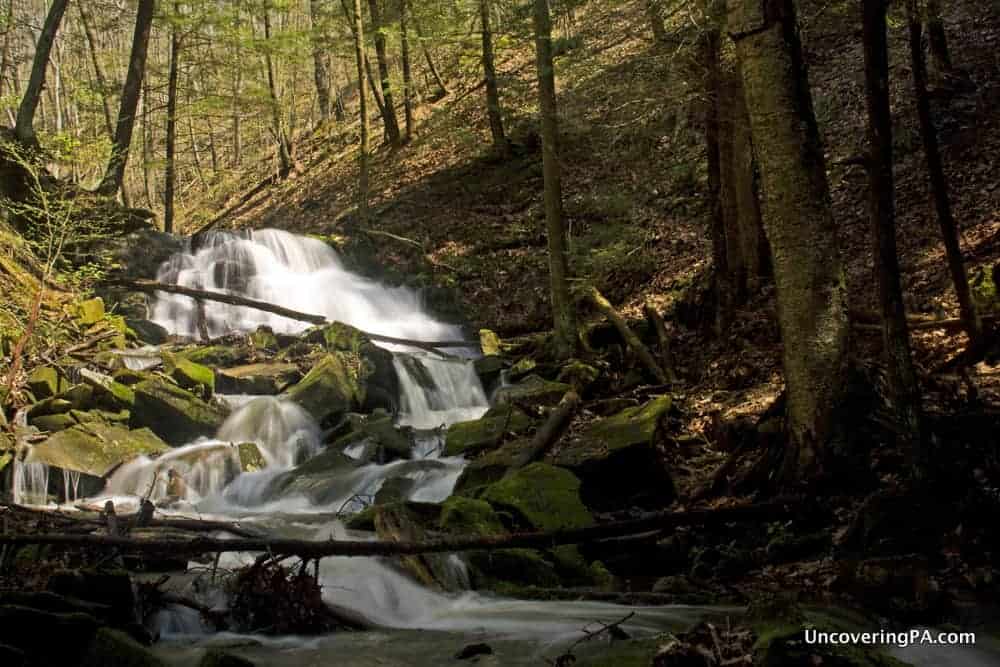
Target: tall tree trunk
(170, 169)
(903, 388)
(280, 136)
(130, 99)
(99, 76)
(490, 73)
(359, 52)
(427, 57)
(375, 89)
(408, 92)
(798, 219)
(147, 140)
(24, 128)
(937, 37)
(320, 71)
(655, 18)
(720, 257)
(8, 30)
(564, 319)
(753, 241)
(389, 108)
(939, 182)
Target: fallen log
(866, 321)
(645, 356)
(550, 432)
(769, 511)
(151, 286)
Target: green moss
(95, 448)
(467, 516)
(216, 356)
(263, 378)
(108, 392)
(264, 339)
(329, 390)
(5, 458)
(45, 382)
(174, 414)
(489, 342)
(80, 395)
(486, 432)
(631, 426)
(579, 375)
(524, 567)
(49, 406)
(982, 283)
(53, 423)
(533, 390)
(190, 374)
(90, 311)
(251, 460)
(548, 498)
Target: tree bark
(8, 30)
(937, 38)
(388, 108)
(655, 17)
(728, 185)
(564, 319)
(99, 76)
(490, 73)
(280, 136)
(408, 91)
(427, 57)
(25, 126)
(359, 53)
(746, 174)
(939, 182)
(904, 392)
(321, 74)
(717, 223)
(636, 345)
(130, 99)
(549, 433)
(798, 219)
(170, 168)
(376, 92)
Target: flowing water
(307, 275)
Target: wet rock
(383, 440)
(532, 390)
(394, 490)
(176, 415)
(219, 658)
(251, 460)
(490, 467)
(190, 375)
(32, 632)
(487, 432)
(375, 372)
(113, 647)
(473, 650)
(542, 496)
(49, 406)
(396, 523)
(263, 338)
(147, 331)
(45, 382)
(469, 516)
(96, 448)
(329, 390)
(501, 568)
(489, 369)
(257, 379)
(217, 356)
(108, 392)
(320, 478)
(617, 459)
(53, 423)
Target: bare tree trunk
(490, 74)
(170, 169)
(430, 61)
(408, 92)
(24, 128)
(564, 319)
(389, 108)
(280, 136)
(320, 72)
(655, 17)
(798, 218)
(101, 79)
(8, 30)
(147, 133)
(939, 182)
(903, 389)
(130, 99)
(359, 51)
(720, 257)
(753, 241)
(937, 37)
(376, 92)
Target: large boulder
(330, 389)
(176, 415)
(376, 374)
(46, 381)
(257, 379)
(487, 432)
(95, 448)
(380, 438)
(541, 497)
(107, 392)
(217, 356)
(533, 390)
(190, 374)
(618, 461)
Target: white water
(31, 483)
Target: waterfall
(31, 483)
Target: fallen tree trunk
(770, 511)
(663, 337)
(151, 286)
(866, 321)
(645, 356)
(550, 432)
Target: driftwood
(663, 337)
(150, 286)
(632, 340)
(770, 511)
(550, 432)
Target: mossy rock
(129, 377)
(320, 478)
(85, 416)
(983, 285)
(545, 497)
(217, 356)
(113, 647)
(32, 631)
(578, 375)
(468, 516)
(45, 382)
(498, 568)
(488, 369)
(147, 331)
(219, 658)
(474, 436)
(257, 379)
(53, 423)
(190, 374)
(263, 338)
(108, 392)
(90, 311)
(81, 396)
(330, 389)
(489, 342)
(617, 458)
(533, 390)
(376, 372)
(490, 467)
(251, 460)
(49, 406)
(176, 415)
(96, 448)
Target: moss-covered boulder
(190, 374)
(81, 396)
(469, 516)
(90, 311)
(381, 439)
(217, 356)
(376, 374)
(95, 448)
(490, 467)
(542, 496)
(107, 392)
(52, 423)
(49, 406)
(219, 658)
(257, 379)
(618, 461)
(251, 460)
(533, 390)
(486, 432)
(330, 389)
(505, 570)
(263, 338)
(113, 647)
(174, 414)
(33, 631)
(579, 375)
(46, 381)
(147, 331)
